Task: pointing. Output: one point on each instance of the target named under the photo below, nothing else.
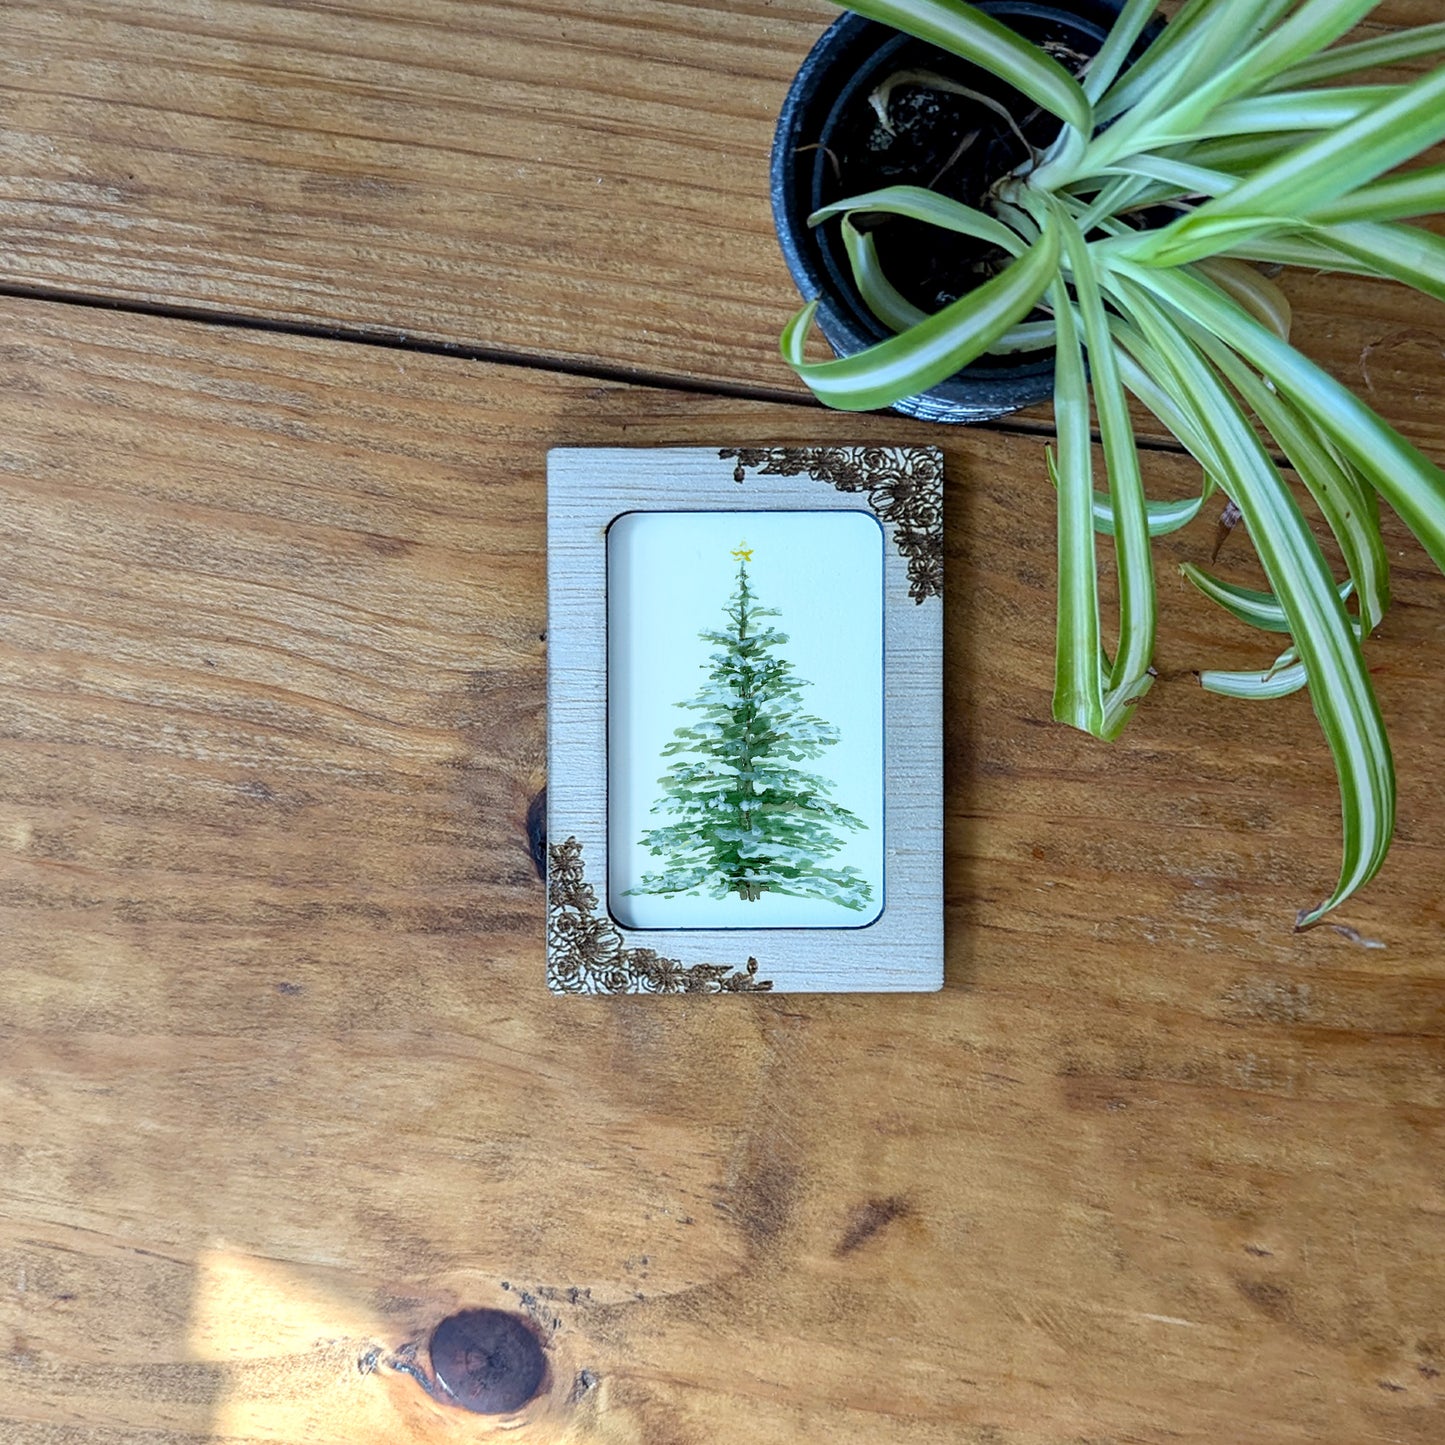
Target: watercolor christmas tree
(743, 818)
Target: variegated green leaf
(1409, 481)
(1340, 689)
(1309, 176)
(1078, 653)
(965, 31)
(1419, 192)
(1262, 610)
(1129, 677)
(1335, 487)
(1404, 253)
(932, 350)
(892, 308)
(919, 204)
(1417, 43)
(1163, 517)
(1276, 681)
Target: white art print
(745, 719)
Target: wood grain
(281, 1084)
(581, 185)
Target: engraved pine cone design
(904, 487)
(586, 952)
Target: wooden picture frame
(900, 945)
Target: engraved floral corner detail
(903, 485)
(586, 952)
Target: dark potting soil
(946, 143)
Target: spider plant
(1228, 120)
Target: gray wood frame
(587, 951)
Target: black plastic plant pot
(829, 144)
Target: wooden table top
(295, 297)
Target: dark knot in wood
(487, 1361)
(537, 833)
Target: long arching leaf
(1253, 290)
(1105, 65)
(1415, 43)
(1243, 68)
(1340, 689)
(1163, 517)
(1311, 175)
(1404, 253)
(1078, 654)
(1202, 35)
(1409, 481)
(1277, 681)
(1335, 488)
(919, 204)
(962, 30)
(1262, 610)
(879, 294)
(1129, 678)
(934, 349)
(1420, 192)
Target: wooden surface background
(280, 1083)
